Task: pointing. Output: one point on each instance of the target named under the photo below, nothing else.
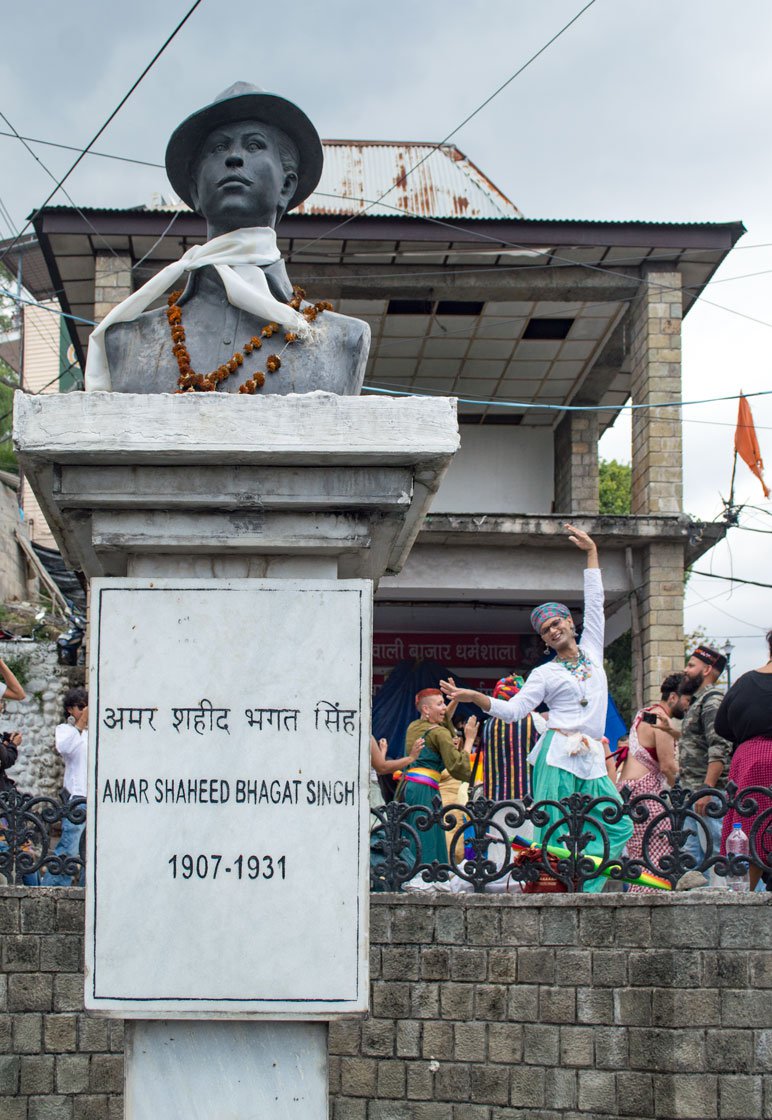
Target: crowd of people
(692, 733)
(544, 738)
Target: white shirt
(556, 686)
(73, 747)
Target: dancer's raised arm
(594, 624)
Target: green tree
(615, 487)
(9, 381)
(7, 457)
(618, 663)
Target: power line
(561, 407)
(567, 262)
(478, 235)
(474, 113)
(7, 218)
(51, 310)
(157, 241)
(15, 135)
(97, 134)
(332, 194)
(73, 148)
(750, 529)
(69, 197)
(744, 622)
(732, 579)
(726, 424)
(758, 509)
(496, 402)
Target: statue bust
(241, 162)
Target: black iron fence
(31, 833)
(576, 840)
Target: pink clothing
(752, 766)
(652, 782)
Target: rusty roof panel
(422, 181)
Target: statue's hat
(241, 102)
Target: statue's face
(238, 178)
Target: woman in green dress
(570, 757)
(441, 751)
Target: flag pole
(731, 484)
(734, 468)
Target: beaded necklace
(191, 382)
(580, 670)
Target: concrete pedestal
(221, 488)
(202, 1071)
(233, 486)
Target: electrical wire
(479, 236)
(349, 198)
(68, 196)
(731, 579)
(99, 132)
(7, 218)
(750, 529)
(744, 622)
(400, 181)
(562, 407)
(51, 310)
(74, 148)
(758, 509)
(157, 242)
(727, 424)
(495, 402)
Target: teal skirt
(433, 842)
(552, 784)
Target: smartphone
(649, 717)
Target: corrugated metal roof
(445, 185)
(417, 180)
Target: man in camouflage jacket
(703, 756)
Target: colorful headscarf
(422, 695)
(711, 657)
(541, 614)
(508, 687)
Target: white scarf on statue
(237, 257)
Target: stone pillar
(576, 463)
(661, 608)
(112, 281)
(655, 355)
(312, 487)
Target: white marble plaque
(227, 805)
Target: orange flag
(745, 443)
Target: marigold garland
(191, 382)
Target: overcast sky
(644, 109)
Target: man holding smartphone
(72, 745)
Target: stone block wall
(55, 1062)
(655, 358)
(556, 1008)
(39, 769)
(112, 282)
(576, 464)
(661, 600)
(490, 1008)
